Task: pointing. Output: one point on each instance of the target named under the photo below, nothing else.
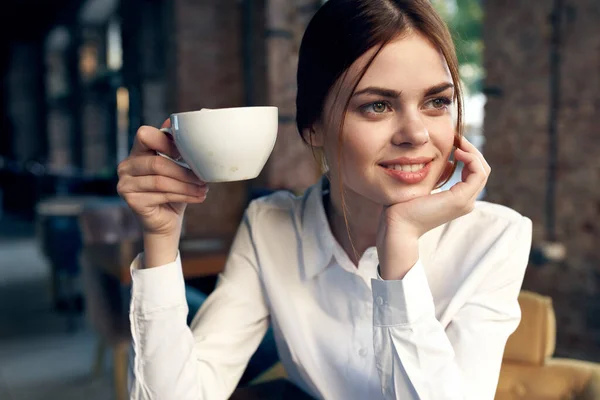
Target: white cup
(226, 144)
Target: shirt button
(362, 352)
(379, 300)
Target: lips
(408, 170)
(407, 161)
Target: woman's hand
(158, 190)
(402, 224)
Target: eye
(378, 107)
(440, 103)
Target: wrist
(160, 249)
(397, 255)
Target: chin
(395, 188)
(407, 193)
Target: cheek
(442, 133)
(360, 145)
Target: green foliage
(465, 18)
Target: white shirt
(342, 332)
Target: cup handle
(179, 161)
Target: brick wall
(208, 67)
(97, 123)
(518, 38)
(25, 101)
(292, 165)
(59, 120)
(205, 63)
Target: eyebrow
(437, 89)
(379, 92)
(393, 94)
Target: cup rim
(256, 108)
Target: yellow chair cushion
(558, 379)
(535, 338)
(275, 372)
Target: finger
(469, 147)
(158, 183)
(152, 199)
(150, 140)
(473, 170)
(473, 180)
(457, 201)
(156, 165)
(166, 123)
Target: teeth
(407, 167)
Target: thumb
(166, 123)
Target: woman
(376, 285)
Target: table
(58, 234)
(272, 390)
(199, 257)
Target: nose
(410, 132)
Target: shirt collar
(318, 244)
(317, 239)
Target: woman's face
(398, 130)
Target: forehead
(410, 63)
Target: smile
(406, 167)
(410, 172)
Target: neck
(362, 217)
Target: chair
(106, 300)
(528, 369)
(58, 233)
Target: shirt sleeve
(417, 358)
(206, 361)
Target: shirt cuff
(401, 302)
(158, 287)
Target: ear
(313, 136)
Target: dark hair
(343, 30)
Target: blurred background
(78, 77)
